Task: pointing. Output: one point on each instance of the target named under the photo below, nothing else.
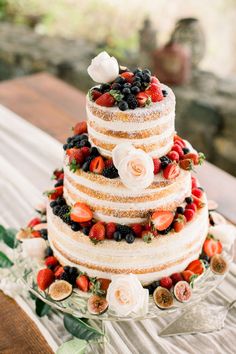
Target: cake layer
(151, 128)
(162, 257)
(110, 200)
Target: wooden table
(55, 107)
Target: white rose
(126, 295)
(120, 152)
(34, 248)
(136, 169)
(225, 233)
(103, 68)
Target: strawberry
(191, 206)
(80, 212)
(82, 282)
(108, 163)
(171, 171)
(166, 282)
(189, 214)
(86, 223)
(75, 156)
(80, 128)
(58, 174)
(45, 278)
(128, 76)
(154, 80)
(187, 275)
(58, 271)
(137, 229)
(157, 166)
(179, 223)
(199, 203)
(85, 151)
(110, 229)
(106, 100)
(147, 236)
(179, 150)
(155, 92)
(196, 266)
(212, 247)
(143, 99)
(104, 283)
(97, 232)
(176, 277)
(179, 140)
(55, 193)
(51, 261)
(95, 94)
(36, 234)
(33, 222)
(97, 165)
(173, 155)
(186, 164)
(162, 219)
(197, 192)
(193, 157)
(194, 182)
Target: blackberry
(59, 183)
(85, 143)
(129, 238)
(85, 230)
(116, 86)
(204, 257)
(48, 252)
(137, 71)
(186, 150)
(126, 91)
(127, 85)
(94, 152)
(124, 229)
(53, 204)
(166, 231)
(132, 102)
(189, 200)
(44, 233)
(110, 172)
(56, 210)
(75, 226)
(120, 80)
(77, 138)
(61, 201)
(105, 88)
(137, 84)
(123, 106)
(165, 93)
(117, 236)
(180, 210)
(63, 211)
(65, 147)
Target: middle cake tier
(111, 201)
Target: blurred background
(190, 45)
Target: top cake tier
(150, 128)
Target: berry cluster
(131, 89)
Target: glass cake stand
(76, 304)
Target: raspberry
(110, 230)
(157, 166)
(166, 282)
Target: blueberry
(136, 83)
(56, 210)
(66, 269)
(85, 230)
(44, 233)
(165, 93)
(85, 166)
(117, 236)
(116, 86)
(126, 91)
(53, 204)
(65, 147)
(71, 145)
(137, 78)
(48, 252)
(146, 77)
(186, 150)
(69, 140)
(84, 137)
(164, 163)
(105, 87)
(180, 210)
(135, 89)
(164, 158)
(61, 201)
(123, 106)
(127, 84)
(129, 238)
(189, 200)
(94, 152)
(120, 80)
(75, 226)
(77, 138)
(147, 71)
(85, 143)
(136, 71)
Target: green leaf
(117, 95)
(2, 231)
(5, 262)
(74, 346)
(41, 308)
(79, 329)
(9, 238)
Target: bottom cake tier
(165, 255)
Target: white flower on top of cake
(125, 295)
(135, 166)
(103, 68)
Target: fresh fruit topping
(197, 159)
(180, 210)
(97, 165)
(35, 234)
(163, 298)
(76, 158)
(108, 163)
(155, 92)
(143, 99)
(178, 149)
(188, 275)
(176, 277)
(45, 278)
(173, 155)
(104, 283)
(58, 272)
(97, 305)
(80, 212)
(147, 236)
(97, 232)
(95, 93)
(51, 261)
(34, 222)
(171, 171)
(106, 100)
(197, 192)
(60, 290)
(179, 222)
(162, 219)
(117, 236)
(189, 200)
(82, 282)
(189, 214)
(110, 172)
(157, 166)
(58, 174)
(212, 247)
(80, 128)
(198, 202)
(166, 282)
(182, 291)
(129, 238)
(194, 182)
(218, 265)
(55, 193)
(85, 151)
(191, 206)
(137, 229)
(128, 76)
(179, 140)
(110, 230)
(186, 164)
(154, 80)
(132, 102)
(123, 105)
(196, 266)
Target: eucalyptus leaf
(9, 238)
(74, 346)
(79, 329)
(41, 308)
(2, 231)
(5, 262)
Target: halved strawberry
(97, 165)
(81, 212)
(157, 166)
(106, 100)
(179, 222)
(171, 171)
(75, 155)
(162, 219)
(55, 193)
(137, 229)
(197, 192)
(187, 275)
(193, 157)
(155, 92)
(33, 222)
(196, 266)
(212, 247)
(186, 164)
(58, 272)
(180, 141)
(178, 149)
(95, 94)
(142, 99)
(110, 230)
(97, 232)
(82, 282)
(189, 214)
(199, 203)
(45, 277)
(51, 261)
(128, 76)
(80, 128)
(173, 155)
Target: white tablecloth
(27, 159)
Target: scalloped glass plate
(76, 304)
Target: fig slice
(182, 291)
(163, 298)
(97, 305)
(218, 265)
(60, 290)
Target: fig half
(182, 291)
(97, 305)
(163, 297)
(60, 290)
(218, 264)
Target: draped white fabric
(27, 158)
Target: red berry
(155, 92)
(154, 80)
(36, 234)
(110, 229)
(58, 272)
(82, 282)
(186, 164)
(157, 166)
(199, 203)
(179, 222)
(142, 99)
(191, 206)
(179, 150)
(95, 94)
(187, 275)
(104, 283)
(176, 277)
(106, 100)
(108, 162)
(162, 219)
(194, 182)
(45, 278)
(51, 261)
(75, 155)
(196, 267)
(128, 76)
(81, 212)
(34, 222)
(173, 155)
(137, 229)
(85, 151)
(166, 282)
(97, 165)
(193, 157)
(80, 128)
(179, 140)
(97, 232)
(197, 192)
(171, 171)
(212, 247)
(189, 214)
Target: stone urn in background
(147, 43)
